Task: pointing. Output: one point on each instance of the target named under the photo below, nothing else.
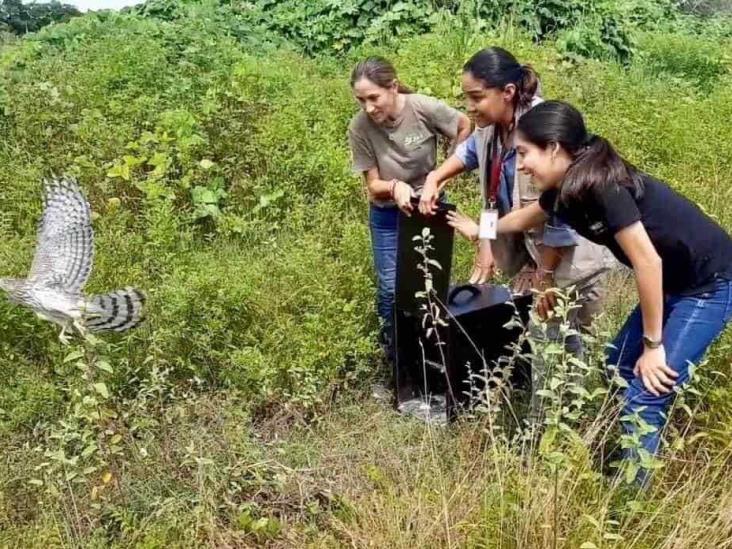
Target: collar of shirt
(394, 123)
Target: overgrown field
(213, 153)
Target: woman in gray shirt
(393, 141)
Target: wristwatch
(652, 343)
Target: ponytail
(595, 162)
(528, 86)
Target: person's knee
(574, 346)
(619, 355)
(612, 357)
(591, 305)
(386, 285)
(649, 407)
(680, 363)
(385, 304)
(387, 281)
(543, 332)
(387, 275)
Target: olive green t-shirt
(407, 149)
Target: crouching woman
(681, 258)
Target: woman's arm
(465, 158)
(436, 180)
(651, 367)
(465, 128)
(398, 191)
(522, 219)
(378, 188)
(450, 168)
(543, 279)
(515, 222)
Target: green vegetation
(210, 140)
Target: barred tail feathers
(115, 312)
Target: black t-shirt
(694, 249)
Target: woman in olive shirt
(393, 143)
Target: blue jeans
(690, 325)
(384, 223)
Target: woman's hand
(544, 282)
(541, 280)
(525, 280)
(462, 224)
(657, 377)
(484, 263)
(402, 194)
(430, 194)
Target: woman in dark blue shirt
(681, 258)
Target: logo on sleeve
(598, 228)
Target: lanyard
(495, 173)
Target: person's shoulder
(651, 189)
(653, 184)
(422, 101)
(417, 98)
(359, 123)
(548, 200)
(607, 190)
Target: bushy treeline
(20, 18)
(600, 29)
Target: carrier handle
(457, 290)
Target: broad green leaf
(101, 388)
(74, 355)
(104, 365)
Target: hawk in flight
(62, 265)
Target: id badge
(488, 224)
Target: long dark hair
(596, 163)
(497, 68)
(379, 71)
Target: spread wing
(65, 248)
